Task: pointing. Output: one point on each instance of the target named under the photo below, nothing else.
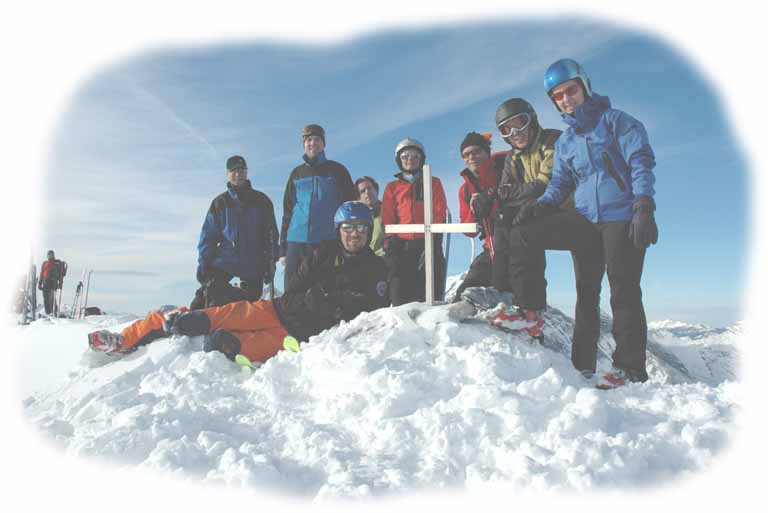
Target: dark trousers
(294, 254)
(407, 275)
(479, 274)
(49, 300)
(520, 272)
(595, 248)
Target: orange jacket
(403, 203)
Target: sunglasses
(571, 90)
(472, 153)
(349, 228)
(511, 131)
(410, 155)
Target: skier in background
(314, 191)
(52, 274)
(238, 239)
(403, 203)
(605, 159)
(337, 281)
(368, 193)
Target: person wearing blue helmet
(337, 281)
(604, 159)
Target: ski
(291, 344)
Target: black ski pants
(479, 274)
(407, 272)
(49, 300)
(595, 248)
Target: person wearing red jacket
(52, 274)
(478, 202)
(403, 203)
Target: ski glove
(521, 191)
(642, 229)
(483, 204)
(531, 209)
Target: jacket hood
(586, 115)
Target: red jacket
(488, 181)
(403, 203)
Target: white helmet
(409, 143)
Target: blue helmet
(564, 70)
(353, 212)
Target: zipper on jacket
(612, 171)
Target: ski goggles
(410, 155)
(349, 228)
(508, 128)
(571, 90)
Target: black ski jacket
(331, 286)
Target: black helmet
(513, 107)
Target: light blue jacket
(604, 156)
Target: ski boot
(614, 379)
(520, 319)
(105, 341)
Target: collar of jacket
(586, 115)
(315, 161)
(376, 210)
(415, 176)
(235, 192)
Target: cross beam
(428, 228)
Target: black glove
(393, 245)
(643, 230)
(483, 204)
(531, 209)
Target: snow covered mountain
(396, 401)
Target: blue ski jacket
(314, 191)
(236, 234)
(604, 157)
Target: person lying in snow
(337, 281)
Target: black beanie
(476, 139)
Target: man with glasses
(605, 159)
(337, 281)
(314, 191)
(238, 239)
(477, 203)
(403, 203)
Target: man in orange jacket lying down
(338, 281)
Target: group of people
(588, 190)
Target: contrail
(167, 110)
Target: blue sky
(139, 151)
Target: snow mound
(396, 401)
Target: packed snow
(397, 401)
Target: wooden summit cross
(428, 229)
